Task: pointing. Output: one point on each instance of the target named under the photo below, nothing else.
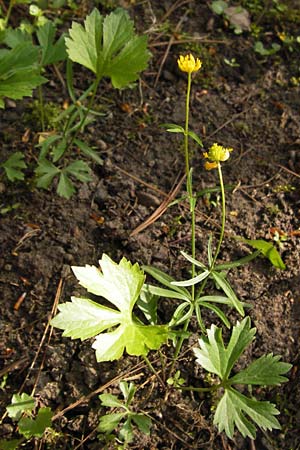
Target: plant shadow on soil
(254, 109)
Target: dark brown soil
(253, 108)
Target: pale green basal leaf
(225, 286)
(215, 357)
(19, 404)
(233, 408)
(135, 338)
(266, 371)
(121, 284)
(83, 318)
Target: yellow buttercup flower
(217, 153)
(188, 63)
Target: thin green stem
(153, 370)
(195, 389)
(41, 107)
(223, 215)
(11, 4)
(89, 107)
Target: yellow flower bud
(217, 153)
(188, 63)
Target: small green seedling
(233, 406)
(126, 418)
(21, 410)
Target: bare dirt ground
(251, 105)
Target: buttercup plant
(123, 285)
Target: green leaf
(65, 187)
(143, 422)
(108, 47)
(166, 293)
(216, 310)
(19, 72)
(231, 412)
(192, 281)
(59, 149)
(13, 166)
(219, 6)
(225, 286)
(51, 52)
(166, 280)
(147, 303)
(269, 251)
(111, 401)
(36, 427)
(88, 151)
(239, 262)
(19, 404)
(13, 444)
(218, 359)
(15, 36)
(45, 171)
(80, 170)
(126, 432)
(266, 370)
(109, 423)
(194, 261)
(195, 137)
(173, 128)
(121, 285)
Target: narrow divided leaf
(235, 409)
(218, 359)
(225, 286)
(266, 370)
(231, 412)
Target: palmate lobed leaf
(215, 357)
(231, 412)
(37, 426)
(121, 285)
(266, 370)
(234, 409)
(108, 47)
(19, 72)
